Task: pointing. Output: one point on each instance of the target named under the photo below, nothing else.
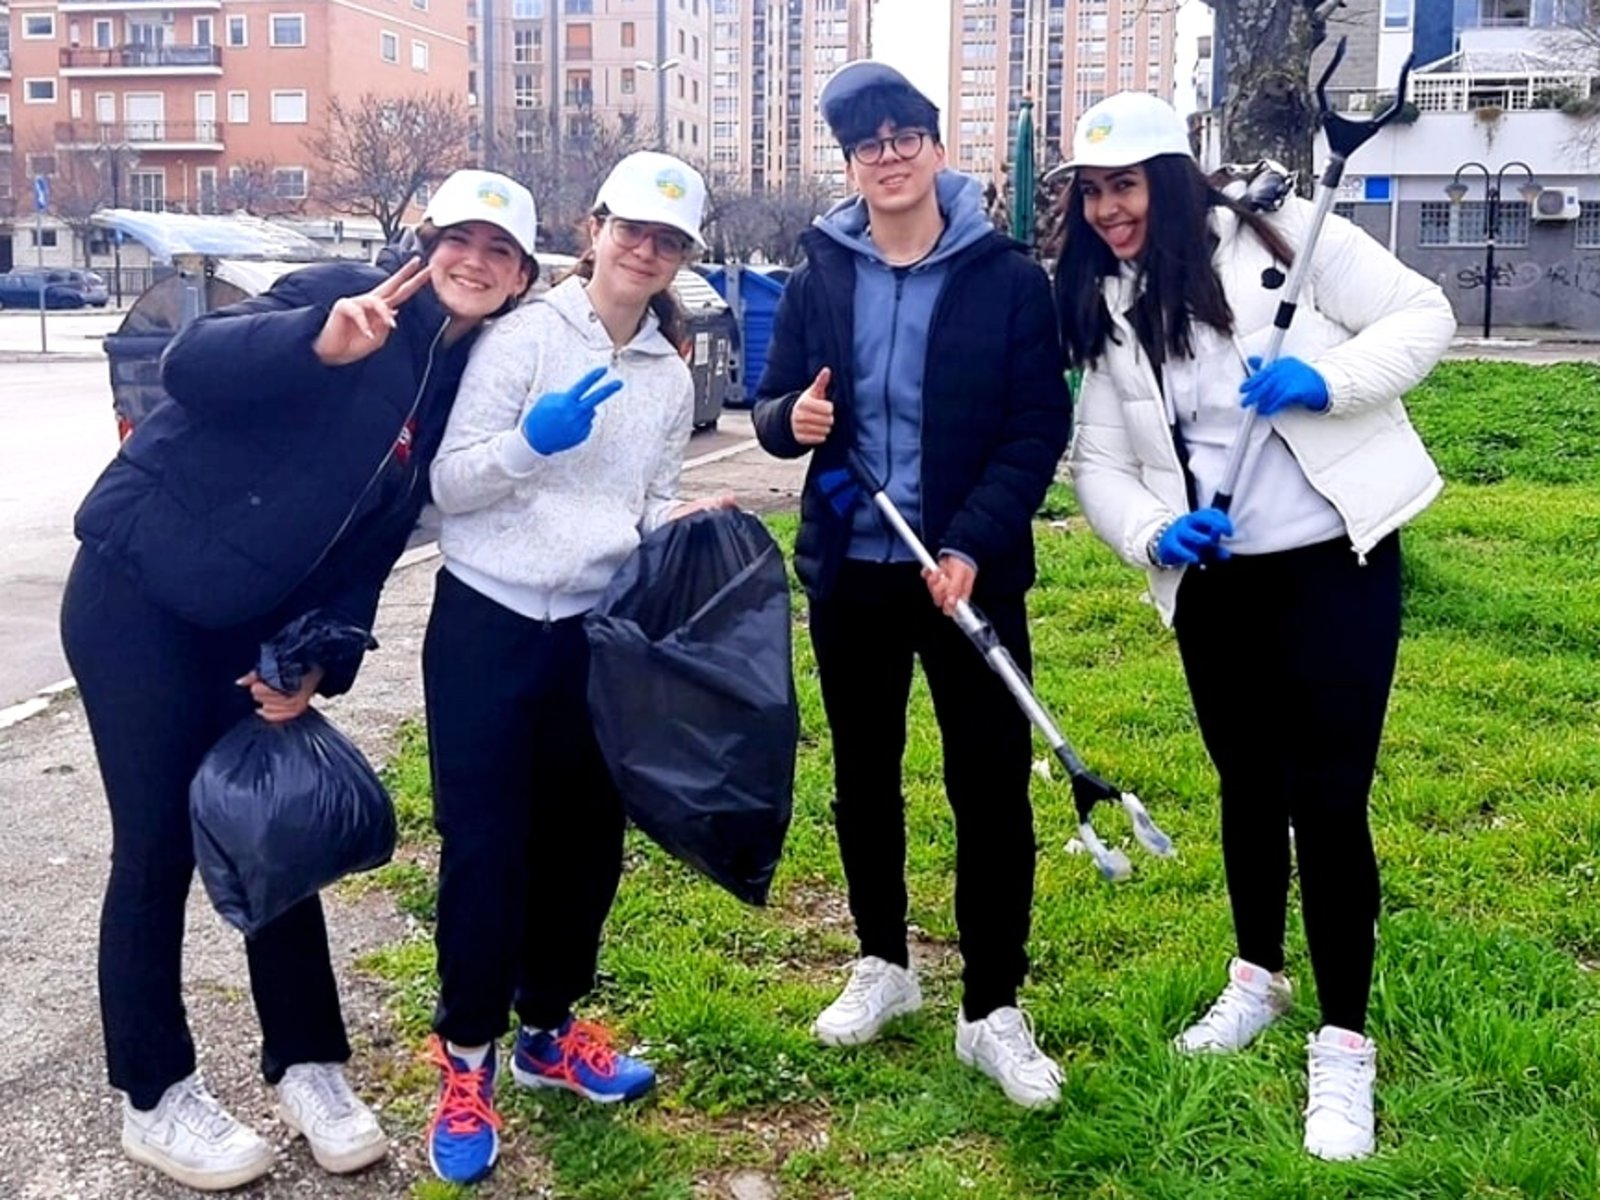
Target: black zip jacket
(996, 413)
(270, 483)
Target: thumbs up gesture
(561, 420)
(811, 418)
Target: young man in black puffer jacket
(921, 340)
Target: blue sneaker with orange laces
(578, 1056)
(464, 1135)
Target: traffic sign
(41, 193)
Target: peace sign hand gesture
(561, 420)
(359, 325)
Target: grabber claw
(1150, 835)
(1112, 863)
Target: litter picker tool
(1088, 789)
(1345, 137)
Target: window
(524, 91)
(580, 42)
(204, 31)
(419, 56)
(1397, 14)
(289, 183)
(287, 29)
(1587, 231)
(102, 34)
(580, 88)
(629, 35)
(522, 44)
(41, 164)
(388, 46)
(43, 237)
(527, 10)
(148, 190)
(38, 91)
(420, 5)
(629, 84)
(1466, 224)
(205, 181)
(238, 31)
(39, 26)
(238, 108)
(289, 108)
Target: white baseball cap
(648, 186)
(485, 196)
(1128, 128)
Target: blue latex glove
(561, 420)
(1285, 382)
(1193, 538)
(840, 489)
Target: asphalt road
(58, 433)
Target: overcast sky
(913, 36)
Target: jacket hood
(960, 199)
(569, 299)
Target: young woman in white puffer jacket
(1287, 607)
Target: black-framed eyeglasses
(906, 144)
(669, 243)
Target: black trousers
(1290, 658)
(158, 693)
(867, 633)
(530, 823)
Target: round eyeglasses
(669, 243)
(906, 143)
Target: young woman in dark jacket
(284, 478)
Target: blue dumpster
(758, 292)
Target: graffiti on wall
(1581, 275)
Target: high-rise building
(159, 103)
(730, 85)
(1066, 54)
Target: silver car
(90, 283)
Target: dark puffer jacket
(270, 483)
(996, 412)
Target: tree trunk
(1268, 110)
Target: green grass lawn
(1487, 817)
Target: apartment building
(728, 84)
(166, 104)
(1066, 54)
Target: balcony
(134, 6)
(194, 136)
(139, 59)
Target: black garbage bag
(691, 687)
(280, 811)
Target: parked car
(91, 283)
(20, 289)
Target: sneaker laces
(463, 1108)
(329, 1091)
(1336, 1081)
(195, 1108)
(1017, 1038)
(865, 976)
(587, 1044)
(1230, 1011)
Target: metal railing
(137, 133)
(138, 55)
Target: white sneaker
(315, 1101)
(1344, 1068)
(878, 992)
(189, 1136)
(1001, 1045)
(1253, 999)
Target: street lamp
(660, 68)
(1457, 191)
(114, 155)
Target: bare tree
(1574, 42)
(1267, 108)
(254, 186)
(78, 186)
(379, 152)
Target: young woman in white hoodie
(564, 448)
(1287, 607)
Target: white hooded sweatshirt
(543, 534)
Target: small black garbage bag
(691, 687)
(279, 812)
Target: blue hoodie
(894, 310)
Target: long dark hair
(1179, 283)
(674, 320)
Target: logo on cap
(671, 184)
(493, 195)
(1099, 129)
